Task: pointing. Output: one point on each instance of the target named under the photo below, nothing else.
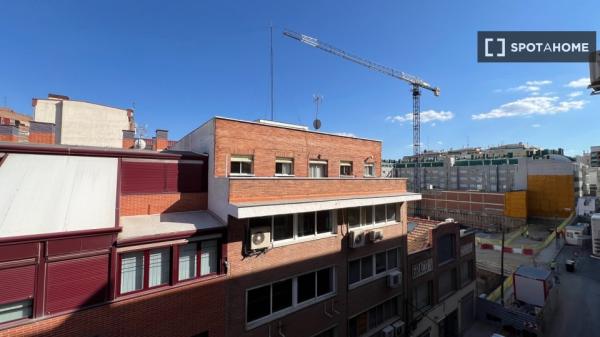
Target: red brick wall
(141, 204)
(128, 143)
(178, 312)
(290, 260)
(8, 138)
(41, 138)
(266, 143)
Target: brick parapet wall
(142, 204)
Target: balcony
(259, 196)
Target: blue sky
(182, 62)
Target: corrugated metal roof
(138, 226)
(50, 194)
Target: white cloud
(575, 94)
(531, 86)
(439, 142)
(427, 116)
(346, 134)
(580, 83)
(535, 105)
(536, 125)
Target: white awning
(251, 210)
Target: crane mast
(416, 85)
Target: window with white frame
(345, 168)
(16, 310)
(296, 226)
(317, 168)
(289, 294)
(284, 166)
(369, 170)
(368, 267)
(156, 263)
(132, 272)
(370, 320)
(372, 215)
(240, 165)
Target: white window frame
(242, 159)
(284, 160)
(373, 276)
(347, 163)
(295, 305)
(372, 166)
(297, 238)
(319, 162)
(372, 224)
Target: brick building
(243, 229)
(441, 281)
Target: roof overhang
(252, 210)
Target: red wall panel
(16, 283)
(18, 251)
(75, 245)
(157, 177)
(76, 283)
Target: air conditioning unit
(394, 279)
(356, 239)
(260, 237)
(374, 236)
(449, 220)
(388, 331)
(398, 329)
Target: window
(447, 282)
(284, 166)
(283, 227)
(205, 252)
(369, 266)
(369, 215)
(15, 310)
(188, 262)
(345, 168)
(160, 265)
(445, 248)
(466, 272)
(369, 170)
(303, 289)
(241, 165)
(294, 226)
(132, 272)
(317, 168)
(306, 224)
(422, 295)
(353, 215)
(374, 317)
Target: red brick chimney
(162, 140)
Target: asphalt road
(578, 309)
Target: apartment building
(102, 242)
(316, 238)
(245, 229)
(441, 282)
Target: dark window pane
(379, 213)
(324, 222)
(352, 328)
(282, 295)
(260, 222)
(392, 259)
(346, 170)
(353, 271)
(447, 282)
(324, 281)
(391, 212)
(380, 266)
(372, 318)
(445, 248)
(368, 215)
(306, 287)
(283, 227)
(306, 224)
(353, 215)
(236, 167)
(259, 303)
(246, 167)
(366, 267)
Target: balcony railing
(257, 189)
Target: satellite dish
(139, 144)
(317, 124)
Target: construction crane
(415, 83)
